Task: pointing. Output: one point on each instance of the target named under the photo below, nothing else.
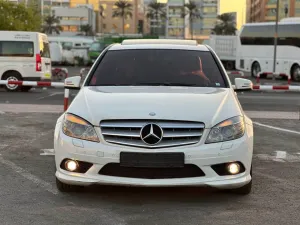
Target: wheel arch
(293, 65)
(10, 71)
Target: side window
(264, 35)
(16, 48)
(67, 45)
(44, 48)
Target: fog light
(71, 165)
(233, 168)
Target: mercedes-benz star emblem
(151, 134)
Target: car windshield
(158, 67)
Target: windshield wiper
(165, 84)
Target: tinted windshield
(158, 67)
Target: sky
(238, 6)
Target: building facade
(46, 5)
(108, 24)
(265, 10)
(175, 23)
(178, 27)
(73, 18)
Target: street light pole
(275, 38)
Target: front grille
(128, 132)
(188, 171)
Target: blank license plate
(152, 160)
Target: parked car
(155, 113)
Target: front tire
(245, 190)
(255, 69)
(13, 76)
(62, 187)
(295, 73)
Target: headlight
(230, 129)
(77, 127)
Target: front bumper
(201, 155)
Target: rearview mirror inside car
(73, 82)
(243, 84)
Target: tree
(225, 25)
(156, 11)
(51, 24)
(87, 29)
(102, 16)
(123, 11)
(19, 17)
(191, 10)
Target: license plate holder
(152, 160)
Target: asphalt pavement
(29, 196)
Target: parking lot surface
(29, 196)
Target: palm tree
(225, 25)
(191, 9)
(102, 17)
(51, 24)
(123, 11)
(87, 29)
(155, 11)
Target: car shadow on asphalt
(136, 195)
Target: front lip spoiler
(227, 182)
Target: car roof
(158, 44)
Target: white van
(56, 52)
(24, 56)
(72, 47)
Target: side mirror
(242, 84)
(73, 82)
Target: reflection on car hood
(207, 105)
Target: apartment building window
(210, 2)
(209, 21)
(176, 22)
(75, 18)
(206, 31)
(73, 28)
(175, 32)
(271, 12)
(175, 11)
(210, 9)
(65, 28)
(104, 26)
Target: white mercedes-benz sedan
(155, 113)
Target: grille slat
(175, 133)
(125, 133)
(182, 134)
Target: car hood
(207, 105)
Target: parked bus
(255, 50)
